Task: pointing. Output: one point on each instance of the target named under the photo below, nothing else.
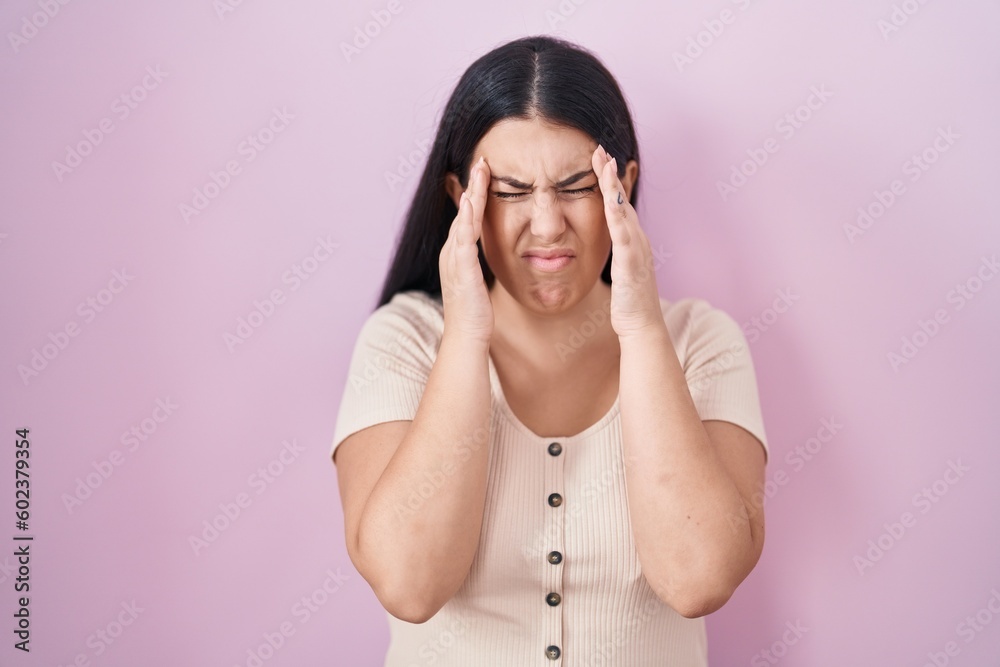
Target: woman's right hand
(468, 310)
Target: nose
(547, 220)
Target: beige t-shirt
(582, 550)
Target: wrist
(655, 333)
(465, 344)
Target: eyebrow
(514, 183)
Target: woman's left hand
(635, 300)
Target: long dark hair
(541, 75)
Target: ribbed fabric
(608, 614)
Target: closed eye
(514, 195)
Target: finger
(484, 190)
(457, 221)
(598, 159)
(464, 206)
(478, 181)
(462, 223)
(617, 208)
(611, 186)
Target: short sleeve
(719, 369)
(390, 363)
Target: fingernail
(601, 151)
(614, 164)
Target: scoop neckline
(505, 408)
(513, 418)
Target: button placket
(551, 560)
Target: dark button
(555, 449)
(555, 557)
(553, 599)
(552, 653)
(555, 500)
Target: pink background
(162, 336)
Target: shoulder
(414, 306)
(694, 314)
(411, 317)
(695, 323)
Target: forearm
(681, 499)
(420, 527)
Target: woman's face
(543, 195)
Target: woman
(541, 461)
